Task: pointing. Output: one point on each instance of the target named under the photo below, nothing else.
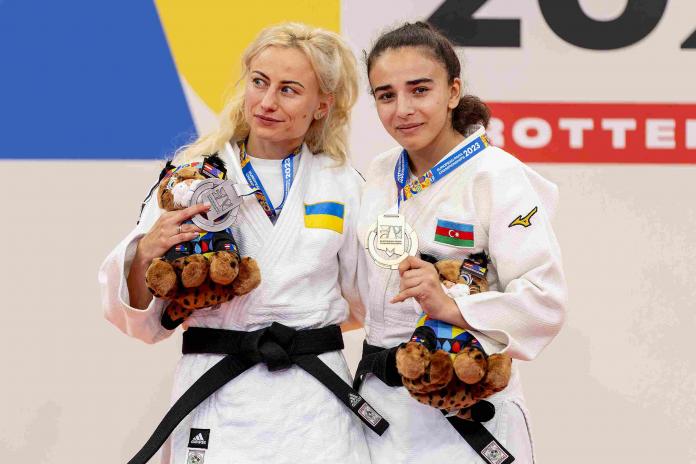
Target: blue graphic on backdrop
(88, 79)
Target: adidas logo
(198, 439)
(354, 399)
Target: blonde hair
(335, 68)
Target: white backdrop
(616, 385)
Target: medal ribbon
(407, 189)
(287, 167)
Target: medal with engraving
(390, 240)
(224, 198)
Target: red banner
(595, 132)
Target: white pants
(285, 416)
(420, 434)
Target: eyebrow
(422, 80)
(282, 82)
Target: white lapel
(415, 207)
(291, 217)
(270, 235)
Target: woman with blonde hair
(263, 378)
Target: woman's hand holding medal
(420, 280)
(169, 230)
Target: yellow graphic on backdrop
(207, 39)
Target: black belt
(278, 347)
(381, 362)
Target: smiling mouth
(406, 127)
(266, 118)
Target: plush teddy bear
(206, 271)
(444, 366)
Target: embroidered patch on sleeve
(454, 234)
(325, 215)
(524, 221)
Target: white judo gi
(308, 274)
(521, 313)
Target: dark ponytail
(471, 110)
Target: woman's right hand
(169, 230)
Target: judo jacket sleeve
(143, 324)
(515, 205)
(352, 273)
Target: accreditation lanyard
(288, 170)
(407, 189)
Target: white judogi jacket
(520, 315)
(266, 417)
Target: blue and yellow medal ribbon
(407, 189)
(288, 170)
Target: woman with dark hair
(446, 192)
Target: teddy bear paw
(224, 267)
(411, 360)
(160, 278)
(470, 365)
(440, 371)
(194, 270)
(499, 371)
(248, 278)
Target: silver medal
(224, 198)
(390, 240)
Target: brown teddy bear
(444, 366)
(206, 271)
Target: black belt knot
(277, 346)
(272, 346)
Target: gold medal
(391, 240)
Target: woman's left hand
(420, 280)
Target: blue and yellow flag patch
(325, 215)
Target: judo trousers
(278, 347)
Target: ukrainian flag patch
(324, 215)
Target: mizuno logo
(524, 221)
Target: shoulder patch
(526, 220)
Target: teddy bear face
(175, 191)
(467, 273)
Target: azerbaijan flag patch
(454, 234)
